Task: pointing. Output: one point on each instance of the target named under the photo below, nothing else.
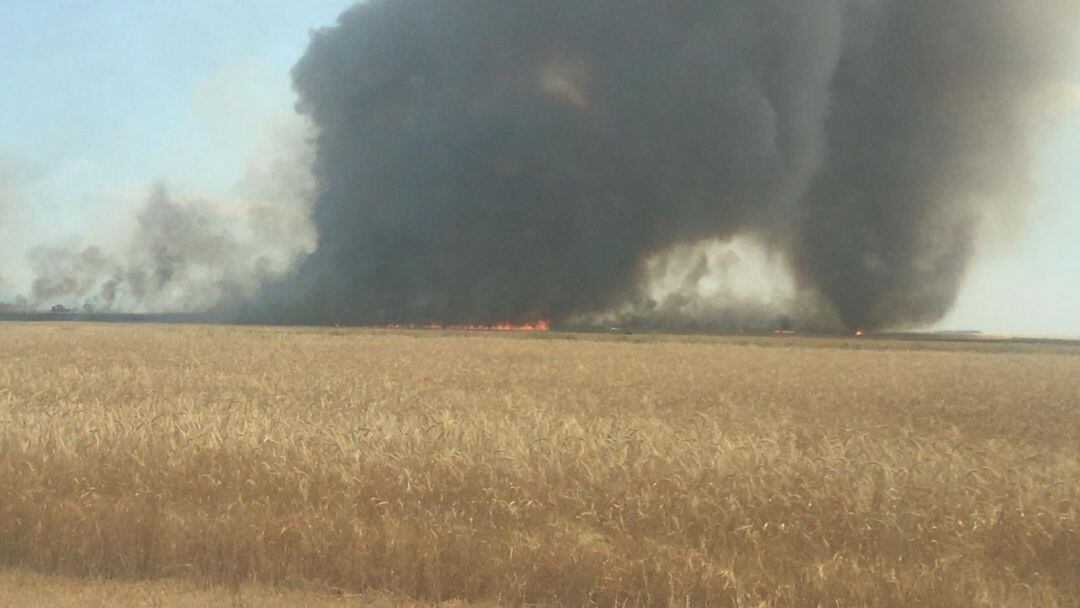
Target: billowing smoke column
(495, 160)
(929, 130)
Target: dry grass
(20, 589)
(522, 470)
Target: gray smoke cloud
(9, 180)
(3, 204)
(5, 201)
(487, 160)
(171, 253)
(181, 256)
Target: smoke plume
(715, 287)
(5, 198)
(488, 160)
(8, 188)
(930, 130)
(181, 256)
(173, 253)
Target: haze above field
(102, 103)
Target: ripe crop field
(538, 469)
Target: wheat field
(565, 470)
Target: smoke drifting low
(170, 253)
(490, 161)
(183, 256)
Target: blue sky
(121, 92)
(102, 99)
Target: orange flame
(541, 325)
(858, 331)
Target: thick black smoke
(495, 160)
(930, 129)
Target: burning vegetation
(513, 161)
(537, 326)
(495, 163)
